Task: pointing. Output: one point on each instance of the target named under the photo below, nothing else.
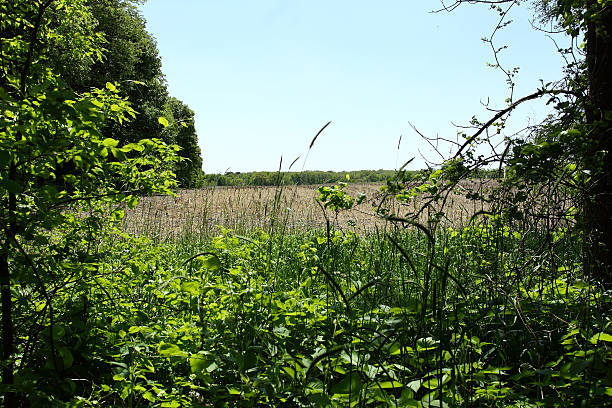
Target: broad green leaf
(290, 371)
(11, 186)
(4, 95)
(247, 360)
(5, 157)
(211, 263)
(434, 383)
(350, 384)
(111, 87)
(126, 391)
(170, 350)
(132, 201)
(198, 363)
(396, 348)
(66, 355)
(149, 396)
(134, 146)
(601, 337)
(163, 121)
(390, 384)
(193, 288)
(427, 343)
(108, 142)
(415, 385)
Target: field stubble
(198, 213)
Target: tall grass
(278, 310)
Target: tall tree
(131, 58)
(183, 130)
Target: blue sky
(264, 76)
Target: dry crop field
(198, 213)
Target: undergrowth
(468, 317)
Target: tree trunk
(597, 216)
(7, 330)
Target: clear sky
(264, 76)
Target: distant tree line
(311, 177)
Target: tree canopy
(129, 56)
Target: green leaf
(163, 121)
(170, 350)
(601, 337)
(290, 371)
(66, 356)
(211, 263)
(415, 385)
(427, 343)
(350, 384)
(134, 146)
(193, 288)
(198, 363)
(171, 404)
(4, 95)
(132, 201)
(111, 87)
(149, 396)
(434, 383)
(5, 158)
(390, 384)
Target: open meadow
(197, 213)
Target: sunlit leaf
(601, 337)
(163, 121)
(390, 384)
(170, 350)
(211, 263)
(193, 288)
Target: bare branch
(510, 108)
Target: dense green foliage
(60, 177)
(502, 311)
(329, 319)
(129, 57)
